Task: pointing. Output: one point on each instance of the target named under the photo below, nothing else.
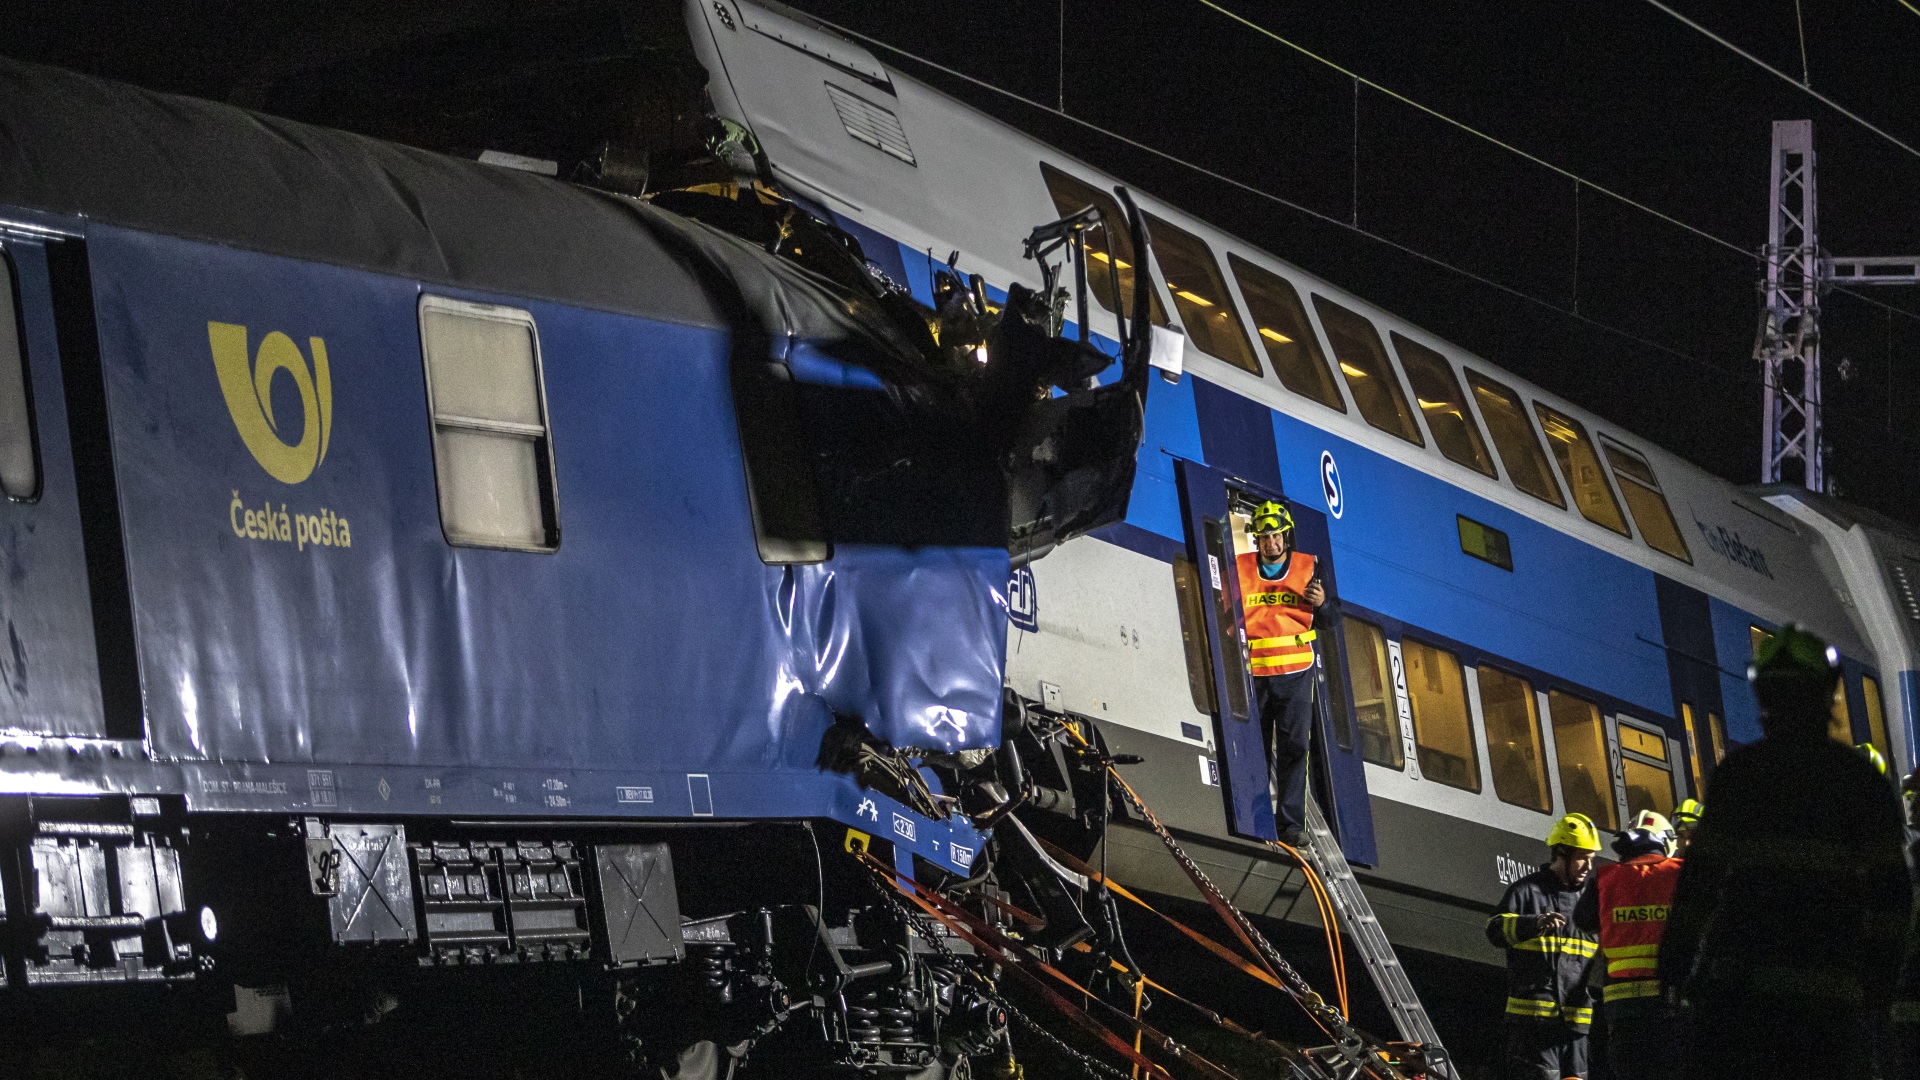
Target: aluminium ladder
(1356, 916)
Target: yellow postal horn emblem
(248, 387)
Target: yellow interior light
(1192, 298)
(1425, 404)
(1352, 372)
(1102, 256)
(1275, 336)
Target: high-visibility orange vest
(1634, 897)
(1279, 620)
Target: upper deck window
(1581, 466)
(1438, 394)
(1200, 294)
(1281, 323)
(1513, 437)
(490, 443)
(1646, 503)
(19, 471)
(1370, 376)
(1107, 248)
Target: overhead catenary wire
(1747, 376)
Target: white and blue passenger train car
(1534, 611)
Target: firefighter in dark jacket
(1626, 904)
(1549, 1007)
(1785, 932)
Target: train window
(1717, 728)
(1646, 770)
(1580, 743)
(1876, 716)
(1513, 437)
(1442, 724)
(1517, 755)
(1581, 466)
(19, 469)
(1193, 633)
(1438, 394)
(1109, 251)
(1363, 360)
(1839, 720)
(490, 441)
(1690, 721)
(1200, 293)
(1373, 701)
(1292, 347)
(1646, 503)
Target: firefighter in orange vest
(1626, 904)
(1280, 591)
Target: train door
(1218, 510)
(1643, 759)
(67, 663)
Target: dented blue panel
(297, 603)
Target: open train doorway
(1219, 510)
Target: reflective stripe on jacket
(1279, 620)
(1546, 972)
(1630, 904)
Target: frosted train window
(491, 450)
(19, 470)
(1107, 255)
(1580, 743)
(1442, 724)
(1282, 327)
(1370, 376)
(1646, 503)
(1513, 437)
(1438, 394)
(1876, 716)
(1200, 294)
(1517, 755)
(1373, 702)
(1581, 467)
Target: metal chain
(929, 930)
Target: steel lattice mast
(1788, 344)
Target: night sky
(1636, 318)
(1619, 93)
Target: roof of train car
(976, 156)
(72, 144)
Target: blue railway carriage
(1534, 611)
(447, 559)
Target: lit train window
(1581, 466)
(1876, 716)
(1515, 751)
(19, 471)
(1281, 323)
(1105, 255)
(1690, 722)
(1442, 724)
(1839, 721)
(1645, 502)
(1363, 360)
(490, 443)
(1580, 743)
(1513, 437)
(1718, 729)
(1647, 771)
(1438, 394)
(1200, 294)
(1373, 702)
